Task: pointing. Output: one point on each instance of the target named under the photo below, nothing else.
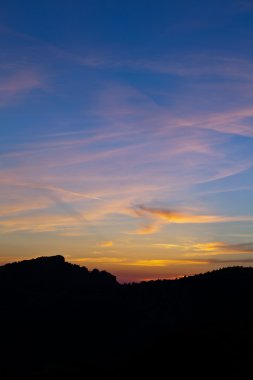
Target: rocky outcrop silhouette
(52, 273)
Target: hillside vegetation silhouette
(59, 320)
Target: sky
(127, 134)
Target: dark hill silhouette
(59, 320)
(53, 273)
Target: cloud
(17, 206)
(230, 121)
(212, 248)
(167, 216)
(138, 263)
(231, 261)
(175, 155)
(66, 193)
(216, 248)
(39, 222)
(105, 244)
(19, 82)
(191, 65)
(165, 262)
(194, 254)
(147, 229)
(167, 246)
(105, 183)
(72, 233)
(98, 260)
(112, 154)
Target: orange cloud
(98, 260)
(168, 246)
(165, 216)
(216, 248)
(105, 244)
(165, 262)
(172, 216)
(147, 229)
(123, 261)
(210, 248)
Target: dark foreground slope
(59, 320)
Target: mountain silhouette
(60, 320)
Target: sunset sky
(127, 134)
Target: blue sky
(126, 134)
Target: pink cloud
(19, 83)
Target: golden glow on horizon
(133, 262)
(164, 263)
(96, 260)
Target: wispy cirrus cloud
(38, 222)
(231, 122)
(217, 248)
(213, 248)
(237, 70)
(159, 217)
(227, 262)
(17, 206)
(19, 83)
(144, 149)
(191, 64)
